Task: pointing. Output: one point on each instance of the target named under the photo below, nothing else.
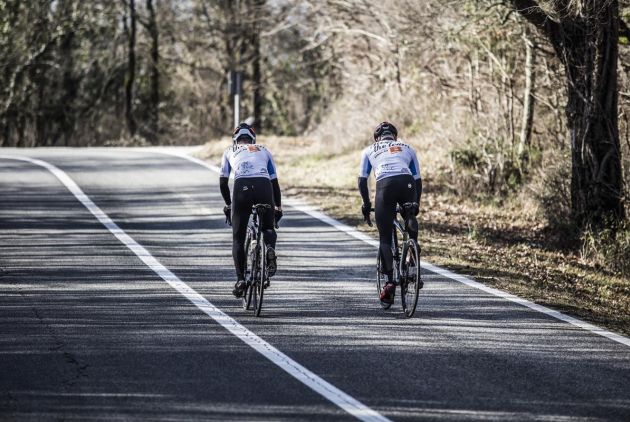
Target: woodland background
(474, 85)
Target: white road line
(299, 372)
(307, 209)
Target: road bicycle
(406, 265)
(257, 276)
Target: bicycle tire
(253, 296)
(259, 286)
(410, 278)
(247, 296)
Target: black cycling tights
(389, 192)
(247, 192)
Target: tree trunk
(131, 67)
(230, 14)
(587, 44)
(257, 65)
(591, 67)
(70, 86)
(154, 112)
(39, 129)
(8, 117)
(528, 102)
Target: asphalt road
(88, 331)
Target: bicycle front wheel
(410, 278)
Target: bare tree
(584, 35)
(130, 29)
(257, 63)
(154, 103)
(528, 101)
(66, 107)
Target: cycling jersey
(248, 160)
(389, 158)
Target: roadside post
(235, 79)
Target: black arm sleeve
(419, 189)
(363, 189)
(277, 196)
(225, 190)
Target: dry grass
(502, 244)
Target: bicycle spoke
(411, 275)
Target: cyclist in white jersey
(398, 181)
(255, 182)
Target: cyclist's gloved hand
(227, 210)
(365, 210)
(278, 214)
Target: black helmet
(244, 131)
(385, 128)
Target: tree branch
(532, 12)
(19, 71)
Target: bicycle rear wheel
(259, 286)
(410, 278)
(247, 295)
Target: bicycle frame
(255, 232)
(398, 231)
(253, 226)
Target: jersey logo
(252, 148)
(244, 168)
(395, 149)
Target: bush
(466, 158)
(555, 193)
(608, 248)
(485, 165)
